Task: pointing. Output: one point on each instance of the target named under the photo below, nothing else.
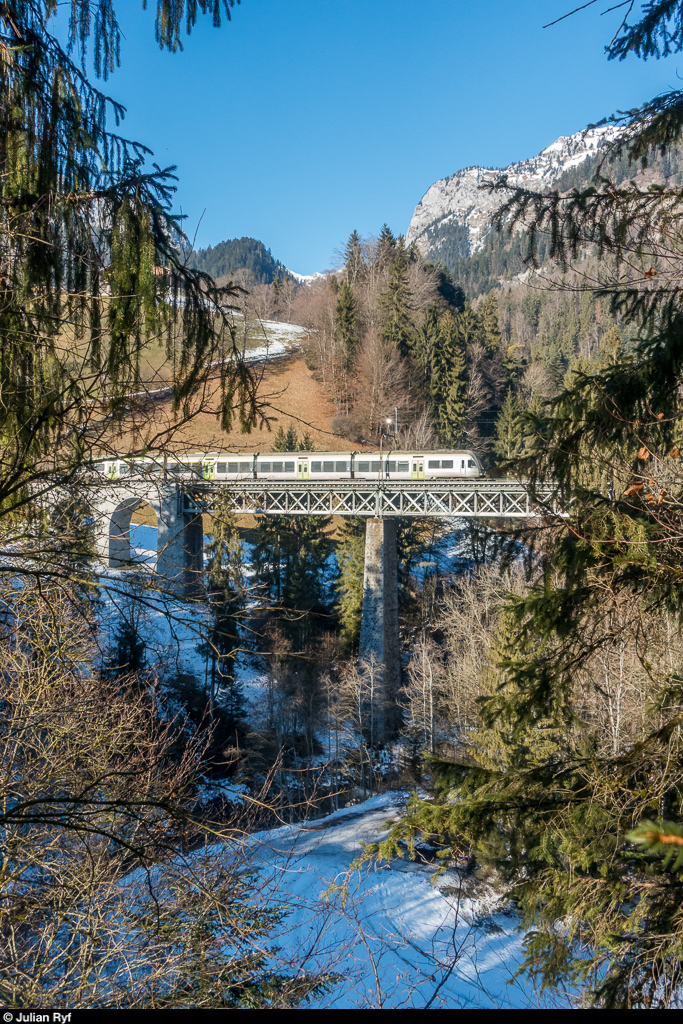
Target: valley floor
(395, 939)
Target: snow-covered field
(395, 939)
(268, 338)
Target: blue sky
(303, 119)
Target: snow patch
(395, 939)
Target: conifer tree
(488, 317)
(290, 560)
(280, 442)
(470, 327)
(385, 246)
(610, 352)
(345, 325)
(128, 653)
(308, 547)
(426, 344)
(447, 380)
(226, 600)
(351, 562)
(353, 259)
(291, 439)
(499, 744)
(267, 558)
(306, 442)
(396, 303)
(510, 429)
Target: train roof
(189, 456)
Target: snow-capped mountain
(306, 278)
(456, 208)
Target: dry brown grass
(288, 394)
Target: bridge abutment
(379, 623)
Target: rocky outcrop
(457, 209)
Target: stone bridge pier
(379, 622)
(180, 540)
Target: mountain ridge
(453, 218)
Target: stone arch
(128, 513)
(179, 546)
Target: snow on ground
(143, 543)
(278, 337)
(395, 939)
(171, 628)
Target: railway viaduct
(179, 504)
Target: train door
(302, 469)
(209, 469)
(417, 471)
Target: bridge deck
(468, 498)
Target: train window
(447, 463)
(222, 467)
(99, 467)
(363, 467)
(375, 467)
(341, 467)
(316, 467)
(470, 463)
(433, 464)
(263, 467)
(233, 467)
(328, 467)
(124, 469)
(391, 467)
(289, 467)
(196, 467)
(277, 467)
(403, 467)
(462, 463)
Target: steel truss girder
(469, 499)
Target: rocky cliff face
(454, 215)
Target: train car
(183, 467)
(284, 466)
(344, 466)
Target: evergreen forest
(245, 260)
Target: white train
(391, 465)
